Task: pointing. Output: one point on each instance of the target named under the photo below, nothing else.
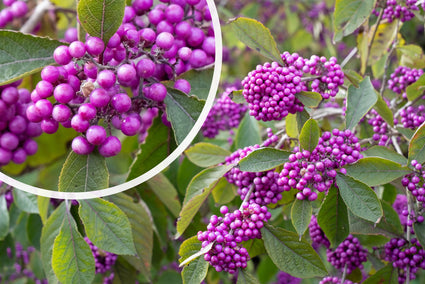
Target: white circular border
(163, 164)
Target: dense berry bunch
(349, 253)
(394, 10)
(317, 235)
(14, 9)
(265, 187)
(147, 120)
(227, 232)
(329, 72)
(270, 89)
(224, 115)
(104, 260)
(285, 278)
(154, 43)
(16, 131)
(405, 255)
(402, 77)
(334, 280)
(317, 170)
(413, 116)
(380, 127)
(414, 181)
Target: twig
(36, 16)
(384, 77)
(344, 273)
(378, 21)
(348, 57)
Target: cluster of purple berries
(334, 280)
(402, 77)
(88, 86)
(350, 253)
(317, 235)
(224, 115)
(22, 260)
(227, 232)
(413, 116)
(16, 131)
(405, 255)
(400, 206)
(317, 170)
(414, 181)
(285, 278)
(380, 127)
(14, 9)
(265, 187)
(394, 10)
(103, 260)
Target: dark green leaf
(333, 218)
(195, 272)
(72, 259)
(248, 132)
(255, 35)
(6, 245)
(359, 101)
(388, 275)
(197, 192)
(166, 192)
(124, 272)
(416, 89)
(289, 254)
(142, 231)
(107, 226)
(244, 277)
(254, 247)
(309, 136)
(375, 171)
(34, 226)
(101, 18)
(200, 82)
(420, 232)
(4, 219)
(384, 111)
(359, 198)
(384, 152)
(81, 173)
(157, 147)
(349, 15)
(417, 146)
(309, 99)
(25, 201)
(263, 159)
(22, 55)
(206, 154)
(182, 111)
(301, 215)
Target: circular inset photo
(95, 106)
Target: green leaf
(385, 153)
(384, 38)
(333, 218)
(384, 111)
(43, 207)
(200, 82)
(182, 111)
(359, 198)
(34, 226)
(22, 55)
(411, 56)
(388, 275)
(224, 192)
(406, 132)
(375, 171)
(157, 147)
(309, 99)
(263, 159)
(101, 18)
(25, 201)
(166, 192)
(72, 259)
(206, 154)
(349, 15)
(359, 101)
(302, 118)
(354, 77)
(291, 126)
(244, 277)
(256, 36)
(107, 226)
(416, 89)
(301, 215)
(48, 234)
(142, 230)
(124, 272)
(4, 220)
(237, 97)
(197, 192)
(248, 132)
(309, 136)
(420, 232)
(289, 254)
(417, 146)
(189, 247)
(195, 272)
(254, 247)
(81, 173)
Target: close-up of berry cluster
(393, 9)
